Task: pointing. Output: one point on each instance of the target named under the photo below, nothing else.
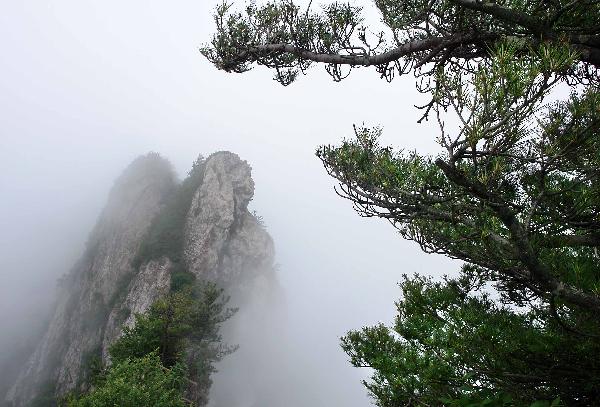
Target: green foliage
(517, 197)
(143, 338)
(93, 370)
(165, 235)
(514, 192)
(181, 318)
(177, 340)
(451, 342)
(417, 36)
(46, 396)
(134, 382)
(181, 329)
(279, 23)
(180, 279)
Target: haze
(86, 86)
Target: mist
(87, 86)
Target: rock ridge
(222, 242)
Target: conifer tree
(514, 191)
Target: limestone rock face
(89, 291)
(152, 282)
(223, 242)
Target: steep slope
(220, 240)
(223, 241)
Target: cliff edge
(132, 257)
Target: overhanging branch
(505, 14)
(539, 272)
(427, 44)
(558, 241)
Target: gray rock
(223, 242)
(152, 282)
(92, 288)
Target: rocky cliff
(117, 277)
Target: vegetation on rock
(167, 357)
(142, 381)
(165, 237)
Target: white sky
(87, 85)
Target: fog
(86, 86)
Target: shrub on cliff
(166, 234)
(134, 382)
(168, 356)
